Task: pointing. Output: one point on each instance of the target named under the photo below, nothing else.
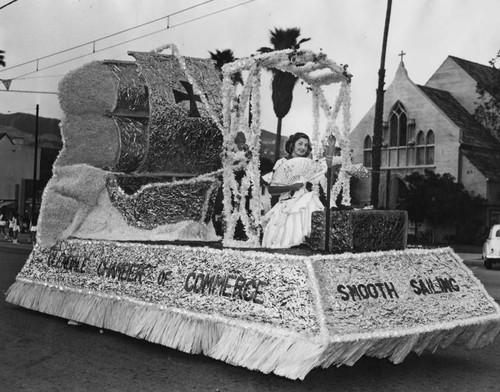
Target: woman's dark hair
(290, 143)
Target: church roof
(477, 144)
(472, 132)
(486, 161)
(484, 75)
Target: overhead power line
(94, 50)
(5, 5)
(105, 37)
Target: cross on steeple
(179, 96)
(401, 55)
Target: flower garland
(235, 194)
(347, 168)
(254, 143)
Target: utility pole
(35, 164)
(379, 112)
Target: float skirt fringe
(257, 347)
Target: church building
(432, 127)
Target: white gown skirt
(289, 221)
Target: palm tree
(222, 57)
(283, 82)
(2, 59)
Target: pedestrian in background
(33, 223)
(3, 225)
(24, 223)
(14, 227)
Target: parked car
(491, 247)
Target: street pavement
(39, 352)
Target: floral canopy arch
(316, 70)
(241, 114)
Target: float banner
(244, 286)
(271, 312)
(383, 291)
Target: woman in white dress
(289, 221)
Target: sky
(348, 32)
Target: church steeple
(401, 72)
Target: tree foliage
(439, 201)
(487, 111)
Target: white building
(432, 127)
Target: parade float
(126, 238)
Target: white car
(491, 247)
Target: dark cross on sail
(179, 96)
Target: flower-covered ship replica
(148, 145)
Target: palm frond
(302, 41)
(286, 38)
(222, 57)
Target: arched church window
(402, 129)
(429, 148)
(420, 160)
(367, 152)
(368, 143)
(420, 138)
(385, 134)
(429, 138)
(393, 131)
(398, 124)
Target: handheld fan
(298, 170)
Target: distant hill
(267, 142)
(23, 125)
